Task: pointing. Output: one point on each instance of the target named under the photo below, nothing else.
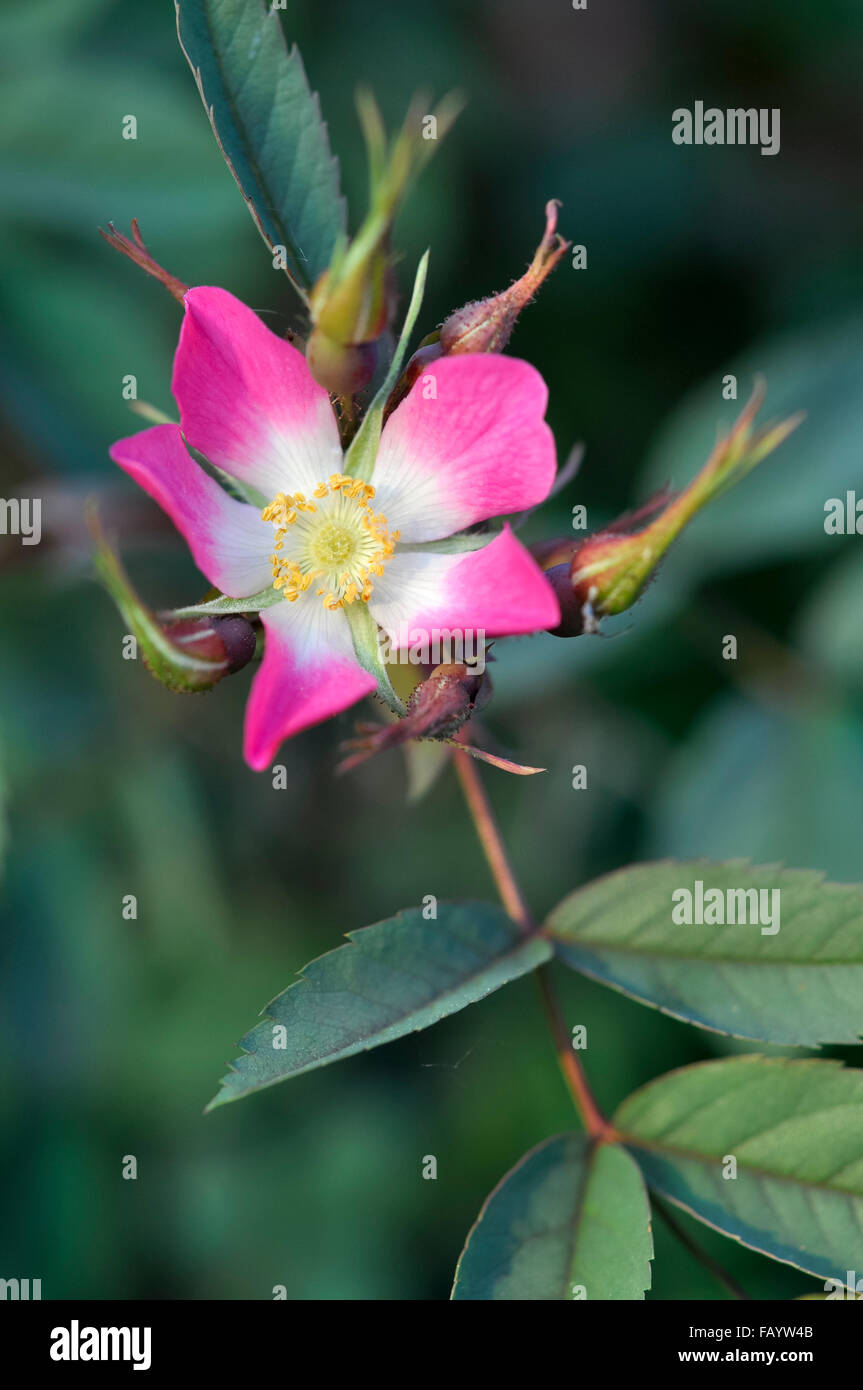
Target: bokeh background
(700, 262)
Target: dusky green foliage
(393, 978)
(800, 984)
(571, 1216)
(269, 128)
(572, 1220)
(112, 1043)
(794, 1133)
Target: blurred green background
(700, 262)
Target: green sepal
(364, 635)
(241, 492)
(360, 458)
(177, 668)
(223, 606)
(460, 544)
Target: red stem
(513, 901)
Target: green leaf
(268, 125)
(393, 978)
(795, 1131)
(361, 456)
(570, 1220)
(830, 628)
(802, 985)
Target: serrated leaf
(393, 978)
(795, 1132)
(801, 986)
(269, 128)
(570, 1220)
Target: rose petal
(248, 400)
(309, 673)
(230, 543)
(498, 590)
(477, 448)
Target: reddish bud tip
(136, 250)
(486, 324)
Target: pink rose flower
(467, 444)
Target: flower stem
(491, 840)
(514, 902)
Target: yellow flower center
(333, 540)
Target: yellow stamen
(337, 539)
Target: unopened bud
(351, 304)
(426, 353)
(486, 324)
(343, 369)
(610, 569)
(225, 644)
(439, 706)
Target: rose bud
(610, 570)
(439, 706)
(352, 303)
(486, 324)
